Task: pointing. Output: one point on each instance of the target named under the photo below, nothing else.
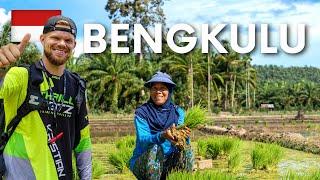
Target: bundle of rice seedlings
(120, 159)
(195, 116)
(264, 156)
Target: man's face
(159, 93)
(58, 46)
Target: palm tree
(188, 66)
(110, 74)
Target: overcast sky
(272, 12)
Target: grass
(126, 142)
(245, 169)
(201, 175)
(291, 175)
(121, 157)
(213, 147)
(265, 156)
(234, 160)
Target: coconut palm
(110, 77)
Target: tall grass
(202, 148)
(234, 160)
(199, 175)
(213, 147)
(229, 144)
(97, 168)
(265, 156)
(121, 157)
(126, 142)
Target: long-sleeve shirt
(144, 138)
(29, 154)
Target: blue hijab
(159, 118)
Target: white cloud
(272, 12)
(4, 17)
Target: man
(45, 140)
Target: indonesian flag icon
(29, 21)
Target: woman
(155, 155)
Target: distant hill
(288, 74)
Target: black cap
(52, 22)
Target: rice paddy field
(244, 161)
(291, 162)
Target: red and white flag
(29, 21)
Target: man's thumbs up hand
(11, 52)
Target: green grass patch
(292, 175)
(199, 175)
(213, 147)
(121, 157)
(126, 142)
(234, 160)
(265, 156)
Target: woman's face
(159, 93)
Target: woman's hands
(186, 131)
(170, 133)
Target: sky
(197, 12)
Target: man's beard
(55, 61)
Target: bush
(264, 156)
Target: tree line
(219, 82)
